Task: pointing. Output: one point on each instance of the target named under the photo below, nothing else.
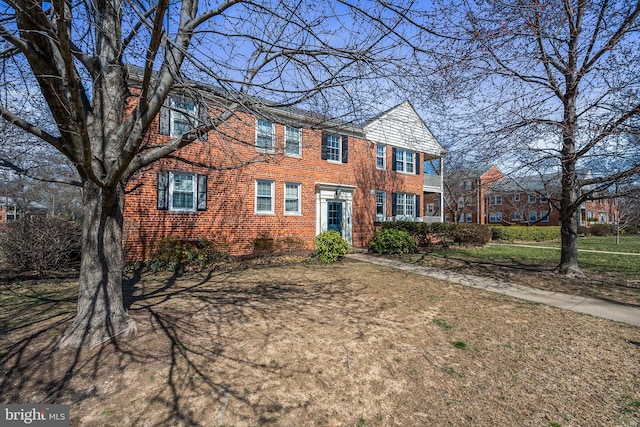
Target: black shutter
(165, 118)
(394, 206)
(345, 149)
(418, 165)
(202, 193)
(163, 190)
(203, 118)
(325, 150)
(393, 159)
(417, 205)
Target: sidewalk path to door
(595, 307)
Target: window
(516, 197)
(447, 217)
(603, 217)
(544, 216)
(265, 136)
(516, 216)
(460, 202)
(405, 205)
(335, 148)
(495, 217)
(404, 161)
(292, 141)
(533, 216)
(381, 152)
(183, 114)
(292, 198)
(467, 185)
(469, 217)
(531, 198)
(264, 197)
(543, 199)
(182, 192)
(381, 205)
(430, 209)
(495, 200)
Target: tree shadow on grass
(188, 359)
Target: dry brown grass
(347, 344)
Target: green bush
(391, 241)
(522, 233)
(443, 234)
(172, 253)
(330, 246)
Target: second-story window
(516, 197)
(292, 141)
(404, 161)
(335, 148)
(495, 200)
(265, 136)
(531, 198)
(381, 152)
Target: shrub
(391, 241)
(444, 234)
(600, 230)
(522, 233)
(41, 244)
(172, 253)
(330, 246)
(264, 244)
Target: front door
(334, 216)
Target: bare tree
(291, 53)
(551, 86)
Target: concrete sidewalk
(595, 307)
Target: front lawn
(304, 344)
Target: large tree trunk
(101, 314)
(569, 236)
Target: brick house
(465, 194)
(280, 174)
(534, 200)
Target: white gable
(402, 127)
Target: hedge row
(445, 234)
(512, 233)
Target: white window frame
(381, 157)
(331, 150)
(405, 163)
(381, 200)
(495, 217)
(544, 216)
(297, 141)
(516, 197)
(533, 216)
(467, 185)
(405, 202)
(265, 148)
(447, 217)
(531, 198)
(173, 192)
(469, 217)
(298, 198)
(517, 216)
(543, 199)
(495, 200)
(431, 208)
(271, 197)
(177, 112)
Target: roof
(401, 126)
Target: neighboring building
(525, 200)
(8, 210)
(280, 175)
(465, 194)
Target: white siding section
(402, 127)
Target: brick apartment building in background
(486, 196)
(281, 174)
